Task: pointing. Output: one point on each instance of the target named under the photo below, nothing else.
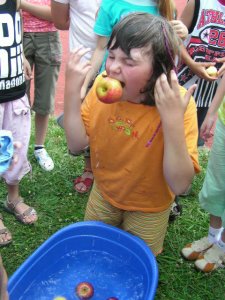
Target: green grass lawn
(58, 205)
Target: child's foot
(5, 235)
(23, 212)
(83, 183)
(175, 211)
(44, 159)
(193, 250)
(212, 259)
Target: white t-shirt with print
(82, 19)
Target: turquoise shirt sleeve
(111, 12)
(105, 20)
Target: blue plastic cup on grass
(6, 150)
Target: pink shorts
(15, 116)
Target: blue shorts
(212, 195)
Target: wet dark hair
(155, 34)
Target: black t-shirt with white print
(12, 79)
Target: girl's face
(132, 71)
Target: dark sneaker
(176, 210)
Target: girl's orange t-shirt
(127, 171)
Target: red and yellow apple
(112, 298)
(212, 71)
(84, 290)
(109, 90)
(59, 298)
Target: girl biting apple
(143, 148)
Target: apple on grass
(212, 71)
(84, 290)
(109, 90)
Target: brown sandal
(11, 208)
(4, 231)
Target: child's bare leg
(221, 242)
(215, 228)
(223, 235)
(41, 127)
(3, 282)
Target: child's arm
(26, 65)
(198, 68)
(60, 15)
(3, 282)
(76, 71)
(96, 62)
(211, 114)
(177, 164)
(39, 11)
(188, 13)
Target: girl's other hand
(199, 68)
(76, 68)
(180, 29)
(221, 70)
(17, 146)
(170, 104)
(27, 69)
(205, 131)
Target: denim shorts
(212, 195)
(15, 116)
(44, 52)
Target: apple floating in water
(109, 90)
(59, 298)
(112, 298)
(84, 290)
(212, 71)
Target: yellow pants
(151, 227)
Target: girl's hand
(199, 68)
(27, 69)
(17, 146)
(205, 131)
(180, 29)
(77, 69)
(221, 70)
(170, 104)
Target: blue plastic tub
(115, 262)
